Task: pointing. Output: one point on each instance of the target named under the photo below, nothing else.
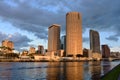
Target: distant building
(95, 45)
(105, 51)
(53, 39)
(8, 46)
(5, 43)
(94, 41)
(40, 49)
(31, 50)
(85, 52)
(61, 53)
(63, 45)
(73, 34)
(24, 53)
(63, 42)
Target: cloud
(3, 36)
(26, 17)
(18, 40)
(113, 38)
(37, 15)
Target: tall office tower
(94, 41)
(9, 46)
(54, 38)
(40, 49)
(31, 50)
(105, 51)
(73, 34)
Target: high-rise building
(73, 34)
(40, 49)
(54, 38)
(31, 50)
(63, 45)
(63, 42)
(9, 46)
(94, 41)
(105, 51)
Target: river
(54, 70)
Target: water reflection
(5, 74)
(95, 69)
(106, 67)
(74, 71)
(66, 71)
(54, 70)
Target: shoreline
(113, 74)
(30, 60)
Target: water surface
(54, 70)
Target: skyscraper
(73, 34)
(105, 51)
(94, 41)
(54, 38)
(63, 42)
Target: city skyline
(27, 22)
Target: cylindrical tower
(73, 34)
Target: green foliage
(113, 74)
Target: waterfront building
(5, 43)
(95, 44)
(105, 51)
(54, 39)
(24, 53)
(94, 41)
(73, 34)
(85, 52)
(40, 49)
(61, 53)
(8, 46)
(31, 50)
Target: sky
(26, 22)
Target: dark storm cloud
(113, 38)
(29, 18)
(37, 15)
(103, 15)
(18, 39)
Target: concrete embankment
(114, 74)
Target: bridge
(111, 59)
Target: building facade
(63, 42)
(94, 41)
(31, 50)
(105, 51)
(54, 38)
(40, 49)
(73, 34)
(8, 46)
